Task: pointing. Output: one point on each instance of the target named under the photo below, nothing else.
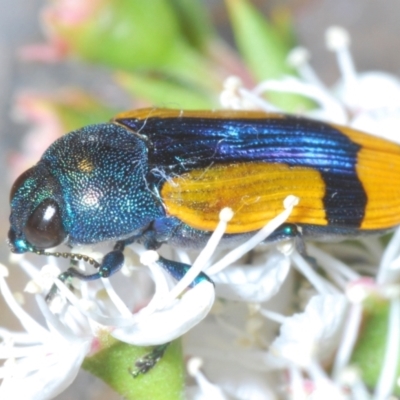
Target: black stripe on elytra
(178, 145)
(344, 202)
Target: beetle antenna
(72, 256)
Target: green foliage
(264, 47)
(369, 353)
(170, 44)
(116, 359)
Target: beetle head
(36, 207)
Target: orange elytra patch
(254, 191)
(378, 168)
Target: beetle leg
(178, 270)
(147, 362)
(159, 231)
(112, 262)
(283, 232)
(292, 231)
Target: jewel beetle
(157, 176)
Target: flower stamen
(289, 203)
(208, 390)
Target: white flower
(41, 361)
(369, 101)
(327, 330)
(75, 322)
(254, 283)
(204, 389)
(266, 330)
(179, 315)
(314, 334)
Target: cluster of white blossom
(272, 324)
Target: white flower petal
(167, 324)
(314, 333)
(47, 381)
(382, 122)
(41, 362)
(29, 323)
(370, 90)
(253, 283)
(224, 337)
(239, 382)
(207, 390)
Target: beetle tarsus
(147, 362)
(112, 262)
(64, 277)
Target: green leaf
(74, 116)
(142, 35)
(125, 34)
(264, 48)
(114, 362)
(194, 21)
(65, 110)
(165, 92)
(281, 20)
(369, 353)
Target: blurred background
(375, 39)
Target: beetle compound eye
(20, 181)
(44, 227)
